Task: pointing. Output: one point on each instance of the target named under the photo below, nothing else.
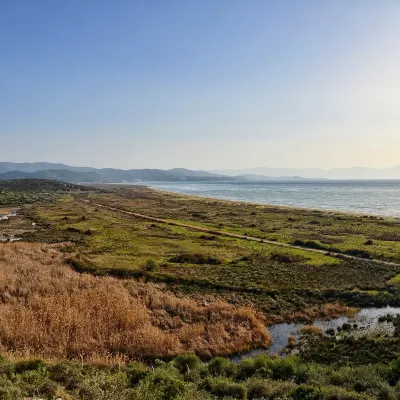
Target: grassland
(333, 231)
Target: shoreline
(269, 205)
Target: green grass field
(379, 237)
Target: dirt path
(237, 235)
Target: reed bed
(48, 310)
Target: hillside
(39, 185)
(110, 175)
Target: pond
(8, 238)
(8, 216)
(367, 321)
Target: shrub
(283, 369)
(136, 372)
(28, 365)
(103, 386)
(186, 362)
(194, 259)
(72, 229)
(167, 381)
(369, 242)
(220, 366)
(221, 387)
(207, 237)
(268, 389)
(358, 253)
(66, 373)
(8, 390)
(150, 265)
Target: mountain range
(57, 171)
(92, 175)
(318, 173)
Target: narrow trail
(238, 235)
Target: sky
(202, 84)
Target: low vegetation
(187, 378)
(331, 231)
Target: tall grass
(48, 310)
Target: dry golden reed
(48, 310)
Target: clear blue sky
(200, 83)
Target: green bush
(167, 381)
(221, 387)
(150, 266)
(186, 362)
(8, 390)
(136, 372)
(66, 373)
(220, 366)
(268, 389)
(104, 385)
(28, 365)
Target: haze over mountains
(319, 173)
(57, 171)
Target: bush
(136, 372)
(28, 365)
(283, 369)
(167, 381)
(221, 387)
(150, 265)
(9, 391)
(103, 386)
(268, 389)
(185, 363)
(194, 259)
(220, 366)
(358, 253)
(66, 373)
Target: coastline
(260, 204)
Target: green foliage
(150, 266)
(136, 372)
(221, 367)
(261, 377)
(221, 387)
(186, 363)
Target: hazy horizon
(204, 85)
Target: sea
(377, 197)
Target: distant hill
(317, 173)
(106, 175)
(262, 178)
(39, 166)
(63, 172)
(40, 185)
